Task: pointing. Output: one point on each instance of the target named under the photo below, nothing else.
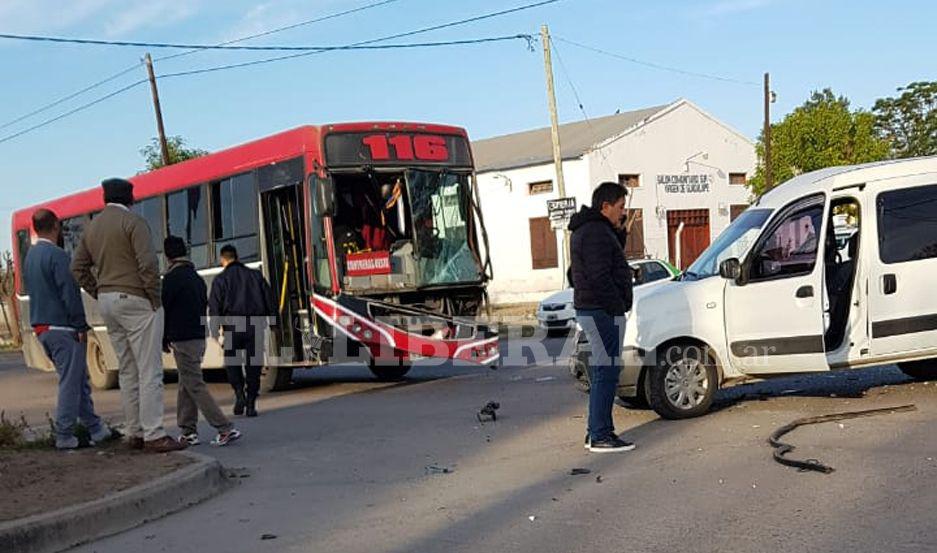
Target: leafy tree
(178, 152)
(909, 122)
(822, 132)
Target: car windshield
(734, 241)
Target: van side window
(907, 224)
(791, 248)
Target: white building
(681, 165)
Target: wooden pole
(555, 133)
(163, 145)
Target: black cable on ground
(782, 449)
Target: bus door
(284, 230)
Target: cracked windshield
(440, 205)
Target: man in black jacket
(185, 299)
(242, 303)
(602, 294)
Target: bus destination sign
(396, 148)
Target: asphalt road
(342, 463)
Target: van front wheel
(683, 383)
(920, 370)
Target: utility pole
(555, 132)
(769, 177)
(163, 145)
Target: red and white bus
(370, 234)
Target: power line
(314, 49)
(70, 96)
(582, 108)
(528, 38)
(287, 27)
(181, 54)
(290, 56)
(228, 46)
(73, 111)
(371, 41)
(659, 66)
(83, 107)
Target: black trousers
(243, 355)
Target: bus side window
(187, 217)
(235, 218)
(22, 244)
(72, 228)
(151, 209)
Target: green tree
(178, 152)
(822, 132)
(909, 122)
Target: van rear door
(902, 302)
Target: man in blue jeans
(58, 319)
(602, 294)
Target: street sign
(560, 210)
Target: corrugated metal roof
(536, 147)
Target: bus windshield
(734, 241)
(441, 212)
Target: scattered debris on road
(598, 479)
(579, 471)
(532, 518)
(436, 469)
(489, 412)
(268, 537)
(545, 379)
(782, 449)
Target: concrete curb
(78, 524)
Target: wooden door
(694, 238)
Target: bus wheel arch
(101, 375)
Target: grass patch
(18, 434)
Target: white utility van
(781, 291)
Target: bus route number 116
(424, 147)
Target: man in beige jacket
(116, 263)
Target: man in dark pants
(242, 303)
(185, 301)
(602, 295)
(58, 319)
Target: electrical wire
(286, 27)
(83, 107)
(582, 108)
(290, 56)
(657, 65)
(528, 38)
(181, 54)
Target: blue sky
(861, 49)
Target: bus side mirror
(730, 269)
(324, 190)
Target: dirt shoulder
(41, 480)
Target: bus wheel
(683, 383)
(275, 378)
(920, 370)
(101, 377)
(389, 372)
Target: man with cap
(116, 263)
(57, 315)
(185, 300)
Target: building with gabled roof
(685, 170)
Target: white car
(556, 312)
(777, 294)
